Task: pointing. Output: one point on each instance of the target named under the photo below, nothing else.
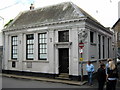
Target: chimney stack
(32, 7)
(118, 9)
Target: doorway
(63, 60)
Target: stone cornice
(98, 25)
(46, 24)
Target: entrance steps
(63, 76)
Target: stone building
(45, 41)
(116, 28)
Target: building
(116, 28)
(46, 41)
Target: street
(25, 83)
(8, 82)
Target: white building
(45, 41)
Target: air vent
(13, 64)
(29, 64)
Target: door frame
(67, 61)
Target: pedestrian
(107, 64)
(101, 76)
(112, 76)
(90, 70)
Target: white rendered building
(45, 41)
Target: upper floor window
(91, 37)
(30, 46)
(14, 51)
(118, 36)
(63, 36)
(42, 46)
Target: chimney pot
(32, 7)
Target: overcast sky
(104, 11)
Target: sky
(104, 11)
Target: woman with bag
(112, 76)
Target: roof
(56, 13)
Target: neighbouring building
(116, 28)
(45, 41)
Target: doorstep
(45, 79)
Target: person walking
(112, 76)
(101, 76)
(90, 70)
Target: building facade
(116, 28)
(46, 41)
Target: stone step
(64, 76)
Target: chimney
(32, 7)
(118, 9)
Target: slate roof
(56, 13)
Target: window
(91, 37)
(42, 46)
(108, 47)
(64, 36)
(119, 36)
(103, 47)
(30, 46)
(99, 46)
(14, 47)
(13, 64)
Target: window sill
(63, 43)
(40, 61)
(13, 60)
(93, 44)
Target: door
(64, 60)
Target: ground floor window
(42, 46)
(30, 46)
(14, 51)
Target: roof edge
(14, 19)
(47, 24)
(115, 23)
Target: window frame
(99, 46)
(103, 40)
(92, 37)
(42, 45)
(62, 37)
(14, 46)
(28, 49)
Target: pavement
(70, 82)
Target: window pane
(30, 56)
(44, 56)
(14, 56)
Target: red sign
(81, 44)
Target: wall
(1, 44)
(1, 56)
